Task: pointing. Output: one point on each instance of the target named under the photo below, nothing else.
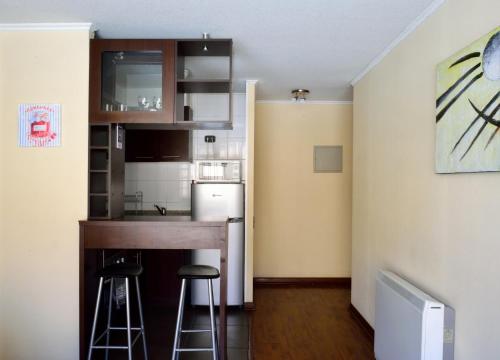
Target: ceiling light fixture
(205, 36)
(300, 95)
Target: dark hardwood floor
(306, 324)
(160, 329)
(289, 323)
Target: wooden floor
(306, 324)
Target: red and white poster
(39, 125)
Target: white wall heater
(409, 324)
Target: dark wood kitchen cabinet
(132, 81)
(158, 145)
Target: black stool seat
(198, 272)
(120, 270)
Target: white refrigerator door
(213, 202)
(216, 201)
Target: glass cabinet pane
(132, 81)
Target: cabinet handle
(143, 157)
(170, 156)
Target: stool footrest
(94, 346)
(192, 349)
(111, 347)
(196, 331)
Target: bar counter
(155, 232)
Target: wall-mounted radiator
(409, 324)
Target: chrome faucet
(161, 210)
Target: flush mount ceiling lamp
(300, 95)
(205, 36)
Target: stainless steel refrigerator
(213, 201)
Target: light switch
(327, 158)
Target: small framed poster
(39, 125)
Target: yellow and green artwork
(468, 108)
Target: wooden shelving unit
(106, 173)
(212, 74)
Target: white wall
(439, 231)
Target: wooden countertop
(135, 219)
(154, 232)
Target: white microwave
(217, 171)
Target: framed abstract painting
(468, 108)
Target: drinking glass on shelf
(156, 103)
(143, 102)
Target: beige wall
(302, 219)
(42, 195)
(439, 231)
(249, 188)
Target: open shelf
(98, 207)
(98, 183)
(99, 159)
(99, 136)
(99, 171)
(203, 83)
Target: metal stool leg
(178, 327)
(101, 280)
(139, 303)
(216, 328)
(110, 307)
(212, 320)
(129, 339)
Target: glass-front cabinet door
(132, 81)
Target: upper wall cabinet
(203, 83)
(132, 81)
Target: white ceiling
(320, 45)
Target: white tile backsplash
(149, 190)
(243, 170)
(229, 144)
(131, 171)
(235, 147)
(182, 205)
(216, 150)
(130, 186)
(148, 171)
(168, 184)
(239, 105)
(239, 128)
(172, 190)
(210, 107)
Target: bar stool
(112, 272)
(196, 272)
